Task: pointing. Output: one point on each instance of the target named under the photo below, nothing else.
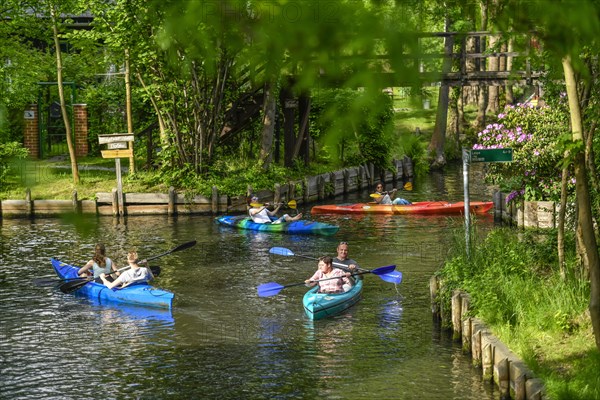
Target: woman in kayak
(260, 214)
(99, 264)
(134, 274)
(326, 271)
(386, 198)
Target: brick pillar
(81, 129)
(31, 134)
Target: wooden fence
(310, 189)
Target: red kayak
(422, 207)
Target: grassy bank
(516, 288)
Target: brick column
(81, 129)
(30, 131)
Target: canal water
(221, 340)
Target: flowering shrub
(535, 136)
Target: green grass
(52, 180)
(517, 290)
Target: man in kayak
(260, 214)
(382, 197)
(134, 274)
(342, 258)
(326, 271)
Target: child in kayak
(260, 214)
(134, 274)
(326, 271)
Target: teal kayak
(321, 305)
(141, 294)
(300, 227)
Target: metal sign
(117, 137)
(492, 155)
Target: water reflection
(222, 340)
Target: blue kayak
(300, 227)
(321, 305)
(141, 294)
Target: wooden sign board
(117, 153)
(116, 137)
(117, 145)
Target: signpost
(491, 155)
(117, 148)
(476, 156)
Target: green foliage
(513, 280)
(363, 135)
(9, 151)
(535, 135)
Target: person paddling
(260, 214)
(133, 275)
(98, 264)
(326, 271)
(388, 198)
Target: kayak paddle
(392, 276)
(291, 204)
(273, 288)
(73, 285)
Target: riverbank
(516, 289)
(309, 189)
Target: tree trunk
(583, 200)
(509, 96)
(438, 138)
(493, 65)
(453, 127)
(470, 92)
(561, 223)
(482, 95)
(61, 95)
(268, 127)
(128, 110)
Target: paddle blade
(292, 204)
(375, 195)
(184, 246)
(255, 205)
(383, 270)
(281, 251)
(70, 287)
(269, 289)
(394, 277)
(408, 186)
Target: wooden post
(215, 200)
(456, 315)
(305, 191)
(501, 376)
(320, 188)
(171, 210)
(29, 202)
(476, 346)
(277, 193)
(115, 202)
(76, 208)
(487, 359)
(433, 292)
(346, 175)
(121, 202)
(466, 335)
(291, 191)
